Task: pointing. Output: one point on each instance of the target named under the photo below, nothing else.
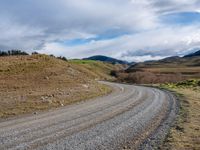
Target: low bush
(146, 77)
(186, 83)
(12, 52)
(62, 58)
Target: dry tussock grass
(185, 135)
(149, 77)
(38, 82)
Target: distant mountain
(170, 59)
(197, 53)
(190, 60)
(106, 59)
(167, 70)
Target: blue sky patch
(183, 18)
(110, 34)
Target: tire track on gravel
(107, 122)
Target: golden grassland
(39, 82)
(99, 70)
(185, 134)
(174, 70)
(169, 70)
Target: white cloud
(42, 25)
(140, 46)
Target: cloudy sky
(133, 30)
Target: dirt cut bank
(38, 82)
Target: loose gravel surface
(124, 119)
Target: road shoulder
(157, 137)
(185, 132)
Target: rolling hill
(197, 53)
(106, 59)
(99, 70)
(171, 69)
(33, 83)
(191, 60)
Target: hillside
(38, 82)
(188, 66)
(106, 59)
(171, 69)
(197, 53)
(98, 70)
(170, 62)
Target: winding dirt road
(125, 119)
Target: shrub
(35, 53)
(198, 83)
(192, 83)
(12, 52)
(62, 58)
(113, 73)
(52, 55)
(146, 77)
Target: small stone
(125, 147)
(42, 98)
(47, 78)
(85, 86)
(50, 96)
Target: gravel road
(125, 119)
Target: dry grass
(159, 74)
(175, 70)
(99, 70)
(39, 82)
(185, 72)
(185, 135)
(186, 67)
(147, 77)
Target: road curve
(123, 119)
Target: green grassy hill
(107, 59)
(98, 70)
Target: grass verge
(185, 133)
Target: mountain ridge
(106, 59)
(197, 53)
